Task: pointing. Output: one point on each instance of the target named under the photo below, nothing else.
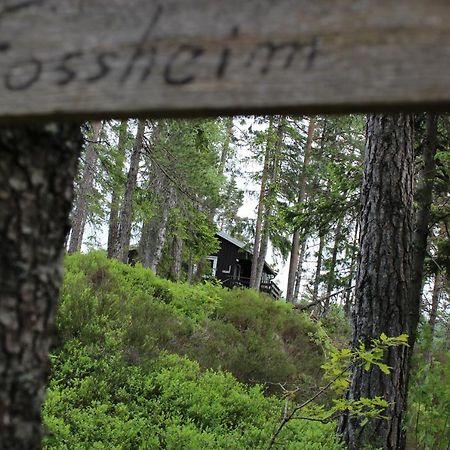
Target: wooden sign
(91, 58)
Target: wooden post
(99, 58)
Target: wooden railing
(272, 289)
(268, 287)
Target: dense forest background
(161, 356)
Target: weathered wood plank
(178, 57)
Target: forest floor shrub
(142, 362)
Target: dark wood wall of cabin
(227, 258)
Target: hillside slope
(146, 363)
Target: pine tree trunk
(439, 283)
(298, 276)
(37, 168)
(261, 209)
(318, 268)
(154, 232)
(113, 228)
(226, 145)
(384, 277)
(349, 294)
(262, 254)
(80, 211)
(154, 235)
(295, 248)
(424, 199)
(270, 199)
(126, 213)
(177, 258)
(332, 272)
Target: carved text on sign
(178, 66)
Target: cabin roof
(231, 239)
(240, 244)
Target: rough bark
(80, 211)
(126, 212)
(384, 276)
(424, 198)
(37, 168)
(261, 209)
(113, 224)
(295, 248)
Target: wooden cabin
(232, 265)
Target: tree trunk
(298, 276)
(270, 199)
(331, 278)
(424, 199)
(37, 168)
(226, 145)
(318, 268)
(177, 258)
(190, 269)
(80, 211)
(262, 254)
(126, 213)
(154, 231)
(439, 283)
(261, 208)
(349, 294)
(384, 275)
(113, 228)
(295, 248)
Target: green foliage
(96, 400)
(241, 331)
(341, 360)
(429, 394)
(260, 340)
(185, 158)
(116, 383)
(337, 325)
(337, 368)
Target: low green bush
(96, 400)
(145, 363)
(240, 331)
(429, 393)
